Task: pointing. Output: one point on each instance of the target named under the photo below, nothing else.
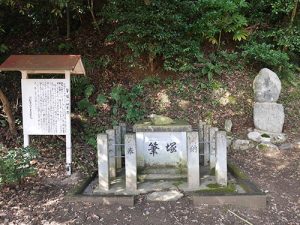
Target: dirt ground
(40, 200)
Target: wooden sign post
(46, 103)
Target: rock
(242, 144)
(160, 120)
(266, 86)
(297, 145)
(229, 140)
(286, 146)
(278, 138)
(268, 117)
(165, 196)
(228, 125)
(267, 147)
(254, 136)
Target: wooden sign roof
(44, 64)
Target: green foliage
(15, 165)
(124, 100)
(81, 86)
(65, 47)
(176, 36)
(266, 55)
(223, 16)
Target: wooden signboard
(46, 103)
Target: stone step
(161, 176)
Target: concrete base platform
(249, 201)
(245, 193)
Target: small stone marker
(206, 143)
(228, 125)
(118, 146)
(130, 163)
(103, 162)
(112, 152)
(212, 155)
(193, 160)
(165, 196)
(221, 158)
(266, 86)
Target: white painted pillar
(212, 155)
(130, 163)
(26, 139)
(112, 152)
(221, 158)
(193, 164)
(68, 121)
(103, 162)
(118, 146)
(206, 129)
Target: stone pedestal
(268, 117)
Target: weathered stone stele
(268, 117)
(266, 86)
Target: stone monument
(267, 114)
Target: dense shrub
(173, 30)
(16, 165)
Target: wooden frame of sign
(46, 103)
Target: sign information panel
(46, 106)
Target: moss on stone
(178, 182)
(235, 171)
(262, 147)
(216, 188)
(212, 172)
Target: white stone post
(123, 132)
(140, 147)
(112, 152)
(221, 158)
(68, 120)
(193, 165)
(212, 155)
(26, 139)
(103, 162)
(201, 137)
(130, 163)
(206, 129)
(118, 146)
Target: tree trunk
(91, 8)
(68, 21)
(8, 112)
